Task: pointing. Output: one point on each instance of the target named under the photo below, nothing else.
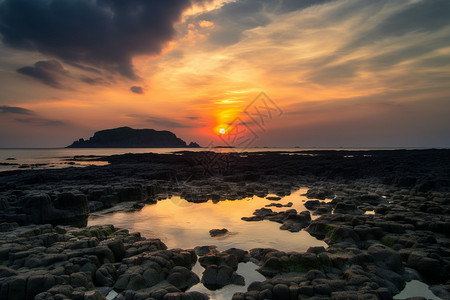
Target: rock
(342, 234)
(106, 275)
(4, 227)
(74, 210)
(117, 248)
(7, 272)
(219, 259)
(95, 206)
(440, 291)
(312, 204)
(197, 295)
(281, 291)
(60, 229)
(216, 277)
(296, 222)
(203, 250)
(319, 193)
(347, 207)
(151, 276)
(93, 295)
(322, 289)
(314, 274)
(182, 278)
(316, 249)
(386, 257)
(430, 267)
(218, 232)
(136, 282)
(16, 288)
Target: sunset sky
(350, 73)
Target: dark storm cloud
(102, 33)
(137, 89)
(5, 109)
(49, 72)
(232, 19)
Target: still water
(181, 224)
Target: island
(126, 137)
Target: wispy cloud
(40, 121)
(164, 122)
(28, 116)
(49, 72)
(5, 109)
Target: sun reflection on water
(181, 224)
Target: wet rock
(290, 219)
(273, 198)
(289, 204)
(342, 234)
(281, 291)
(218, 232)
(203, 250)
(296, 222)
(241, 255)
(106, 275)
(319, 193)
(347, 207)
(182, 278)
(117, 247)
(312, 204)
(93, 295)
(215, 277)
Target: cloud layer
(103, 33)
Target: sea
(51, 158)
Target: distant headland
(126, 137)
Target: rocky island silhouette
(126, 137)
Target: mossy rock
(388, 241)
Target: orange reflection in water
(181, 224)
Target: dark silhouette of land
(126, 137)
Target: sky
(307, 73)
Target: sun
(222, 130)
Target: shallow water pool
(181, 224)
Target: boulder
(215, 277)
(386, 257)
(218, 232)
(312, 204)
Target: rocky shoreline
(370, 255)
